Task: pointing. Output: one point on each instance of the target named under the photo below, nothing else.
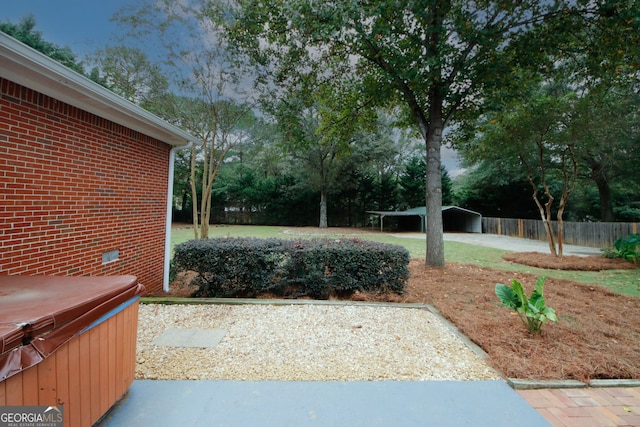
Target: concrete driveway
(508, 243)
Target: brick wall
(74, 186)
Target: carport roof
(397, 213)
(27, 67)
(421, 211)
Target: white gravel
(307, 343)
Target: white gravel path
(307, 343)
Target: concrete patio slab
(353, 404)
(199, 338)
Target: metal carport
(454, 218)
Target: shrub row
(246, 267)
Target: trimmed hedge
(245, 267)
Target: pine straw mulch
(569, 262)
(597, 335)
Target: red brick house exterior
(84, 175)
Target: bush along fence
(318, 268)
(593, 234)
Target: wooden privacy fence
(593, 234)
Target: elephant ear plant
(532, 311)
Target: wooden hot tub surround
(68, 341)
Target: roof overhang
(27, 67)
(459, 209)
(422, 211)
(396, 213)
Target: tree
(321, 154)
(488, 188)
(608, 126)
(201, 67)
(551, 148)
(602, 67)
(385, 188)
(319, 129)
(447, 187)
(604, 126)
(436, 58)
(413, 181)
(25, 32)
(182, 187)
(130, 73)
(216, 125)
(598, 65)
(537, 133)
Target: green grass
(622, 281)
(184, 233)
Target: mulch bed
(568, 262)
(597, 335)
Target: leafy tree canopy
(438, 59)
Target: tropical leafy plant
(627, 248)
(533, 311)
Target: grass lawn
(621, 281)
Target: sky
(84, 26)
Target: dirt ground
(597, 335)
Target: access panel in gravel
(196, 338)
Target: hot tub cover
(38, 314)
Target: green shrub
(627, 248)
(317, 268)
(232, 266)
(533, 311)
(324, 266)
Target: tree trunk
(323, 209)
(194, 192)
(604, 191)
(568, 185)
(183, 203)
(435, 239)
(208, 177)
(545, 211)
(430, 129)
(560, 235)
(549, 226)
(204, 231)
(433, 138)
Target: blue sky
(82, 25)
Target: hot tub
(68, 341)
